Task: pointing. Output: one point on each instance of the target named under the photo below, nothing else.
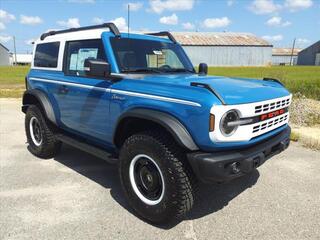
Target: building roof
(4, 47)
(219, 39)
(316, 44)
(285, 51)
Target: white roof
(85, 34)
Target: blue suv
(136, 100)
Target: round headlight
(228, 129)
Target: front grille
(272, 106)
(273, 122)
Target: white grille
(268, 124)
(272, 106)
(248, 110)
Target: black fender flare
(170, 123)
(42, 99)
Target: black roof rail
(113, 28)
(165, 33)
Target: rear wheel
(40, 136)
(155, 176)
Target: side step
(98, 152)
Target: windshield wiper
(137, 70)
(180, 70)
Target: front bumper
(227, 165)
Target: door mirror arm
(97, 68)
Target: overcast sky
(278, 21)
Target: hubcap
(146, 179)
(35, 131)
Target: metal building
(285, 56)
(22, 59)
(310, 55)
(4, 56)
(225, 49)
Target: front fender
(170, 123)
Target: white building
(282, 56)
(4, 56)
(22, 59)
(225, 49)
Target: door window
(78, 51)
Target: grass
(303, 79)
(13, 76)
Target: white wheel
(35, 131)
(146, 179)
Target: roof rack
(113, 28)
(166, 34)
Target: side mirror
(96, 68)
(203, 69)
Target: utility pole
(128, 19)
(291, 59)
(15, 50)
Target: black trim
(173, 125)
(113, 28)
(273, 80)
(208, 87)
(96, 151)
(163, 34)
(4, 47)
(216, 166)
(42, 99)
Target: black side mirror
(203, 69)
(96, 68)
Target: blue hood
(232, 90)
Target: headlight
(226, 128)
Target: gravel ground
(77, 196)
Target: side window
(46, 55)
(78, 51)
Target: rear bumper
(227, 165)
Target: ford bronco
(136, 100)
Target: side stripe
(115, 91)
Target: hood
(231, 90)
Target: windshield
(136, 55)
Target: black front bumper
(227, 165)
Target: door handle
(63, 89)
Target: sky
(277, 21)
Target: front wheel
(155, 176)
(40, 136)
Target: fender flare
(170, 123)
(42, 99)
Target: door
(84, 101)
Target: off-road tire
(179, 179)
(49, 146)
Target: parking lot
(77, 196)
